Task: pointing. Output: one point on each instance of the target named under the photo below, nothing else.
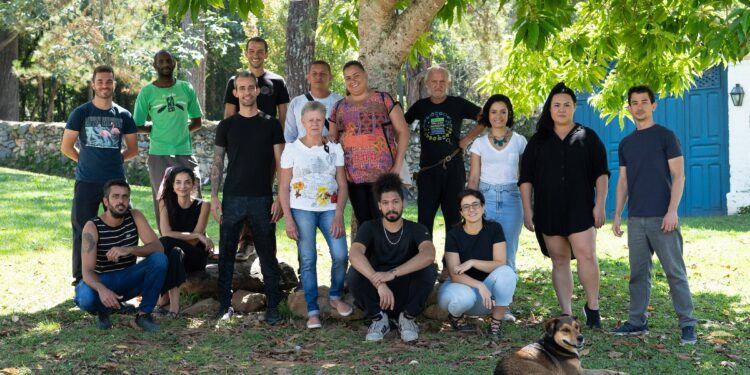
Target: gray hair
(244, 74)
(437, 68)
(314, 106)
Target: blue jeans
(257, 212)
(307, 223)
(459, 299)
(145, 278)
(503, 205)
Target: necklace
(399, 236)
(500, 141)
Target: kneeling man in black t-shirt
(392, 261)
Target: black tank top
(185, 219)
(125, 234)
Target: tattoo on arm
(88, 243)
(217, 170)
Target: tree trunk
(196, 74)
(52, 97)
(36, 112)
(9, 96)
(385, 38)
(414, 77)
(302, 21)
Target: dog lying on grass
(555, 354)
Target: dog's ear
(550, 325)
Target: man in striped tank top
(110, 249)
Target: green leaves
(178, 8)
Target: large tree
(9, 102)
(600, 46)
(302, 21)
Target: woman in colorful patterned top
(374, 135)
(313, 194)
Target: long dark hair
(485, 120)
(168, 194)
(545, 125)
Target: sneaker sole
(691, 342)
(638, 333)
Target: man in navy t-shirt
(100, 127)
(652, 179)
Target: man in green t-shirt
(169, 103)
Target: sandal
(496, 328)
(161, 311)
(459, 323)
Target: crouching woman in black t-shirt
(480, 280)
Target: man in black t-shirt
(442, 173)
(651, 180)
(273, 100)
(391, 264)
(253, 141)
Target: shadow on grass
(63, 338)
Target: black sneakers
(688, 336)
(272, 316)
(628, 329)
(146, 322)
(103, 320)
(593, 320)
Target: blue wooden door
(699, 118)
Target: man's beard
(117, 215)
(392, 219)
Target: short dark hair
(244, 74)
(321, 62)
(640, 90)
(485, 120)
(386, 183)
(103, 69)
(470, 192)
(257, 39)
(162, 52)
(353, 63)
(115, 182)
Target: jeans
(307, 223)
(645, 238)
(410, 292)
(257, 212)
(439, 187)
(503, 205)
(87, 197)
(145, 278)
(459, 299)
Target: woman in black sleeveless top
(183, 221)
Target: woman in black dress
(565, 166)
(183, 220)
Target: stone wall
(35, 146)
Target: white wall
(739, 139)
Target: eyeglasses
(474, 206)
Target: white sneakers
(406, 327)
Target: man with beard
(110, 271)
(99, 126)
(169, 103)
(272, 100)
(392, 272)
(253, 141)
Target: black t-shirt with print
(272, 93)
(382, 255)
(249, 145)
(477, 246)
(440, 126)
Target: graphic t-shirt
(293, 129)
(100, 135)
(477, 246)
(440, 126)
(249, 145)
(169, 108)
(272, 93)
(499, 167)
(363, 128)
(645, 155)
(313, 185)
(381, 253)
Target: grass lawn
(41, 330)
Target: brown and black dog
(555, 354)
